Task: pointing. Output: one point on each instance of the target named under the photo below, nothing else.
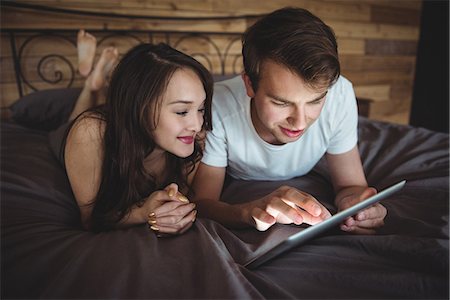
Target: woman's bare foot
(104, 66)
(86, 45)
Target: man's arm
(285, 205)
(208, 184)
(350, 184)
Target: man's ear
(248, 85)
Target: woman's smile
(186, 139)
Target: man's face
(283, 107)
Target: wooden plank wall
(377, 38)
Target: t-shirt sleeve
(216, 146)
(215, 153)
(345, 123)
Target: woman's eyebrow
(184, 102)
(180, 102)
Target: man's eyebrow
(278, 98)
(320, 97)
(288, 101)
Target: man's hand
(285, 205)
(365, 221)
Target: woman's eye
(182, 113)
(202, 110)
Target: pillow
(49, 109)
(217, 77)
(46, 109)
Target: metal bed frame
(21, 40)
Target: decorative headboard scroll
(47, 58)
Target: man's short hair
(296, 39)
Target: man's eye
(280, 103)
(318, 101)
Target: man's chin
(283, 139)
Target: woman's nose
(196, 123)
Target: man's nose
(298, 118)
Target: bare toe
(104, 66)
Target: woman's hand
(169, 211)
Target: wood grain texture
(377, 39)
(404, 16)
(390, 47)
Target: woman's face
(182, 111)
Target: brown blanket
(46, 254)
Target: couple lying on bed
(161, 138)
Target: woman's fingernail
(171, 193)
(151, 222)
(154, 228)
(182, 198)
(151, 215)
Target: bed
(46, 254)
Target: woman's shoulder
(87, 128)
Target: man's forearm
(347, 192)
(228, 215)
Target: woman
(130, 160)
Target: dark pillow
(49, 109)
(218, 78)
(45, 110)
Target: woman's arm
(83, 160)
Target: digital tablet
(312, 231)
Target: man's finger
(358, 230)
(376, 211)
(262, 219)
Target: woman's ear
(248, 85)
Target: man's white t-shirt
(234, 143)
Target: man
(290, 108)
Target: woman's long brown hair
(131, 113)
